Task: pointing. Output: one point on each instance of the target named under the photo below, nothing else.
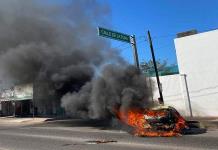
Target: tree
(163, 67)
(149, 65)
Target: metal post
(188, 96)
(14, 106)
(33, 104)
(21, 108)
(33, 108)
(152, 95)
(155, 68)
(135, 53)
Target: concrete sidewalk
(209, 123)
(25, 121)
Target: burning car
(159, 121)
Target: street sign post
(113, 35)
(121, 37)
(135, 51)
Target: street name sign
(114, 35)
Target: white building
(197, 57)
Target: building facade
(194, 91)
(197, 57)
(17, 100)
(29, 100)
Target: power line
(140, 42)
(129, 46)
(158, 37)
(206, 30)
(171, 35)
(163, 46)
(142, 38)
(164, 36)
(174, 35)
(119, 46)
(138, 38)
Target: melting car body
(159, 121)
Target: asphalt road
(76, 135)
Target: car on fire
(158, 121)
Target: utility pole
(135, 53)
(161, 101)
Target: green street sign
(113, 35)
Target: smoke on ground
(55, 46)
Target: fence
(189, 102)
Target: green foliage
(164, 68)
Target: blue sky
(164, 18)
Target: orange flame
(138, 119)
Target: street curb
(9, 120)
(209, 123)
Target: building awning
(15, 99)
(17, 93)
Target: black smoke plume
(55, 46)
(116, 87)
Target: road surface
(78, 135)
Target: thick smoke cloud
(47, 39)
(117, 87)
(55, 46)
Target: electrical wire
(143, 38)
(163, 46)
(129, 46)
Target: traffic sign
(113, 35)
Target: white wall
(197, 57)
(174, 92)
